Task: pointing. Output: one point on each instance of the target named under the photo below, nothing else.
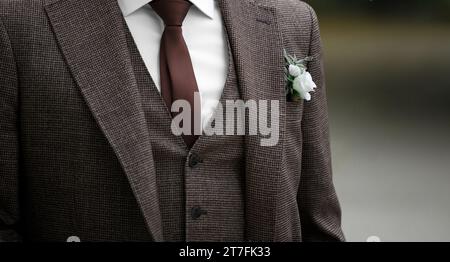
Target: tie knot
(172, 12)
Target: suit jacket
(75, 152)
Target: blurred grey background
(388, 82)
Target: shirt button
(194, 160)
(197, 212)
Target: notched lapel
(257, 47)
(92, 38)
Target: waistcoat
(201, 190)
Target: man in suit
(86, 146)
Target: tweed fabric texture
(75, 147)
(215, 185)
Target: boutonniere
(299, 82)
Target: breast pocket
(294, 111)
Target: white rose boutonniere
(299, 81)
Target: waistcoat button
(194, 160)
(197, 212)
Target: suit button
(194, 160)
(197, 212)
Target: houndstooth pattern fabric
(76, 155)
(215, 185)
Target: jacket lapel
(91, 36)
(257, 47)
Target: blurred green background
(388, 83)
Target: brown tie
(177, 74)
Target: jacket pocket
(294, 111)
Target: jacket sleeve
(319, 208)
(9, 148)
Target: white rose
(294, 70)
(308, 82)
(304, 84)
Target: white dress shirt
(205, 36)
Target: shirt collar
(130, 6)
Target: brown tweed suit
(75, 149)
(214, 186)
